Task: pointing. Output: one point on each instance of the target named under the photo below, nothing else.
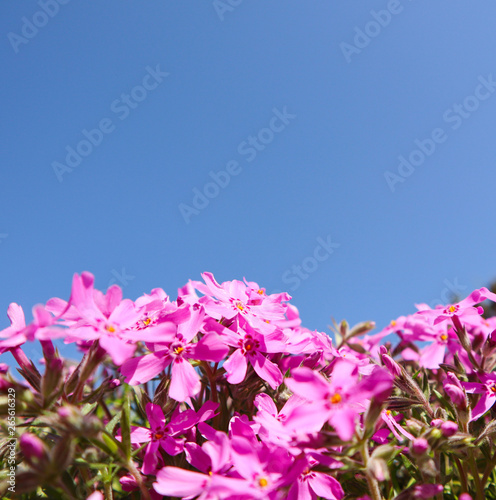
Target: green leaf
(111, 425)
(126, 428)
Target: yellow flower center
(260, 292)
(336, 398)
(110, 328)
(393, 323)
(452, 309)
(444, 337)
(263, 482)
(178, 350)
(158, 435)
(493, 389)
(240, 306)
(147, 321)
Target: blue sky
(304, 107)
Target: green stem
(490, 467)
(139, 479)
(371, 480)
(478, 485)
(463, 475)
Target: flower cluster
(223, 394)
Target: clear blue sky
(351, 104)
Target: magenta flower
(454, 389)
(337, 401)
(14, 334)
(311, 485)
(94, 316)
(185, 381)
(462, 309)
(234, 298)
(166, 435)
(488, 393)
(250, 347)
(42, 327)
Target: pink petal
(185, 382)
(119, 350)
(326, 486)
(264, 403)
(485, 403)
(267, 370)
(236, 367)
(308, 384)
(433, 355)
(155, 416)
(125, 314)
(343, 420)
(177, 482)
(16, 316)
(138, 435)
(210, 348)
(308, 418)
(144, 368)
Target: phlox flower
(392, 423)
(272, 421)
(177, 350)
(462, 309)
(338, 400)
(311, 485)
(41, 328)
(94, 316)
(213, 460)
(165, 435)
(233, 298)
(487, 389)
(250, 347)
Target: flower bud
(435, 434)
(427, 490)
(489, 346)
(33, 449)
(449, 428)
(31, 445)
(420, 446)
(455, 391)
(464, 496)
(114, 383)
(393, 367)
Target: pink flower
(454, 389)
(488, 393)
(312, 484)
(337, 401)
(234, 298)
(185, 381)
(250, 347)
(166, 435)
(94, 316)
